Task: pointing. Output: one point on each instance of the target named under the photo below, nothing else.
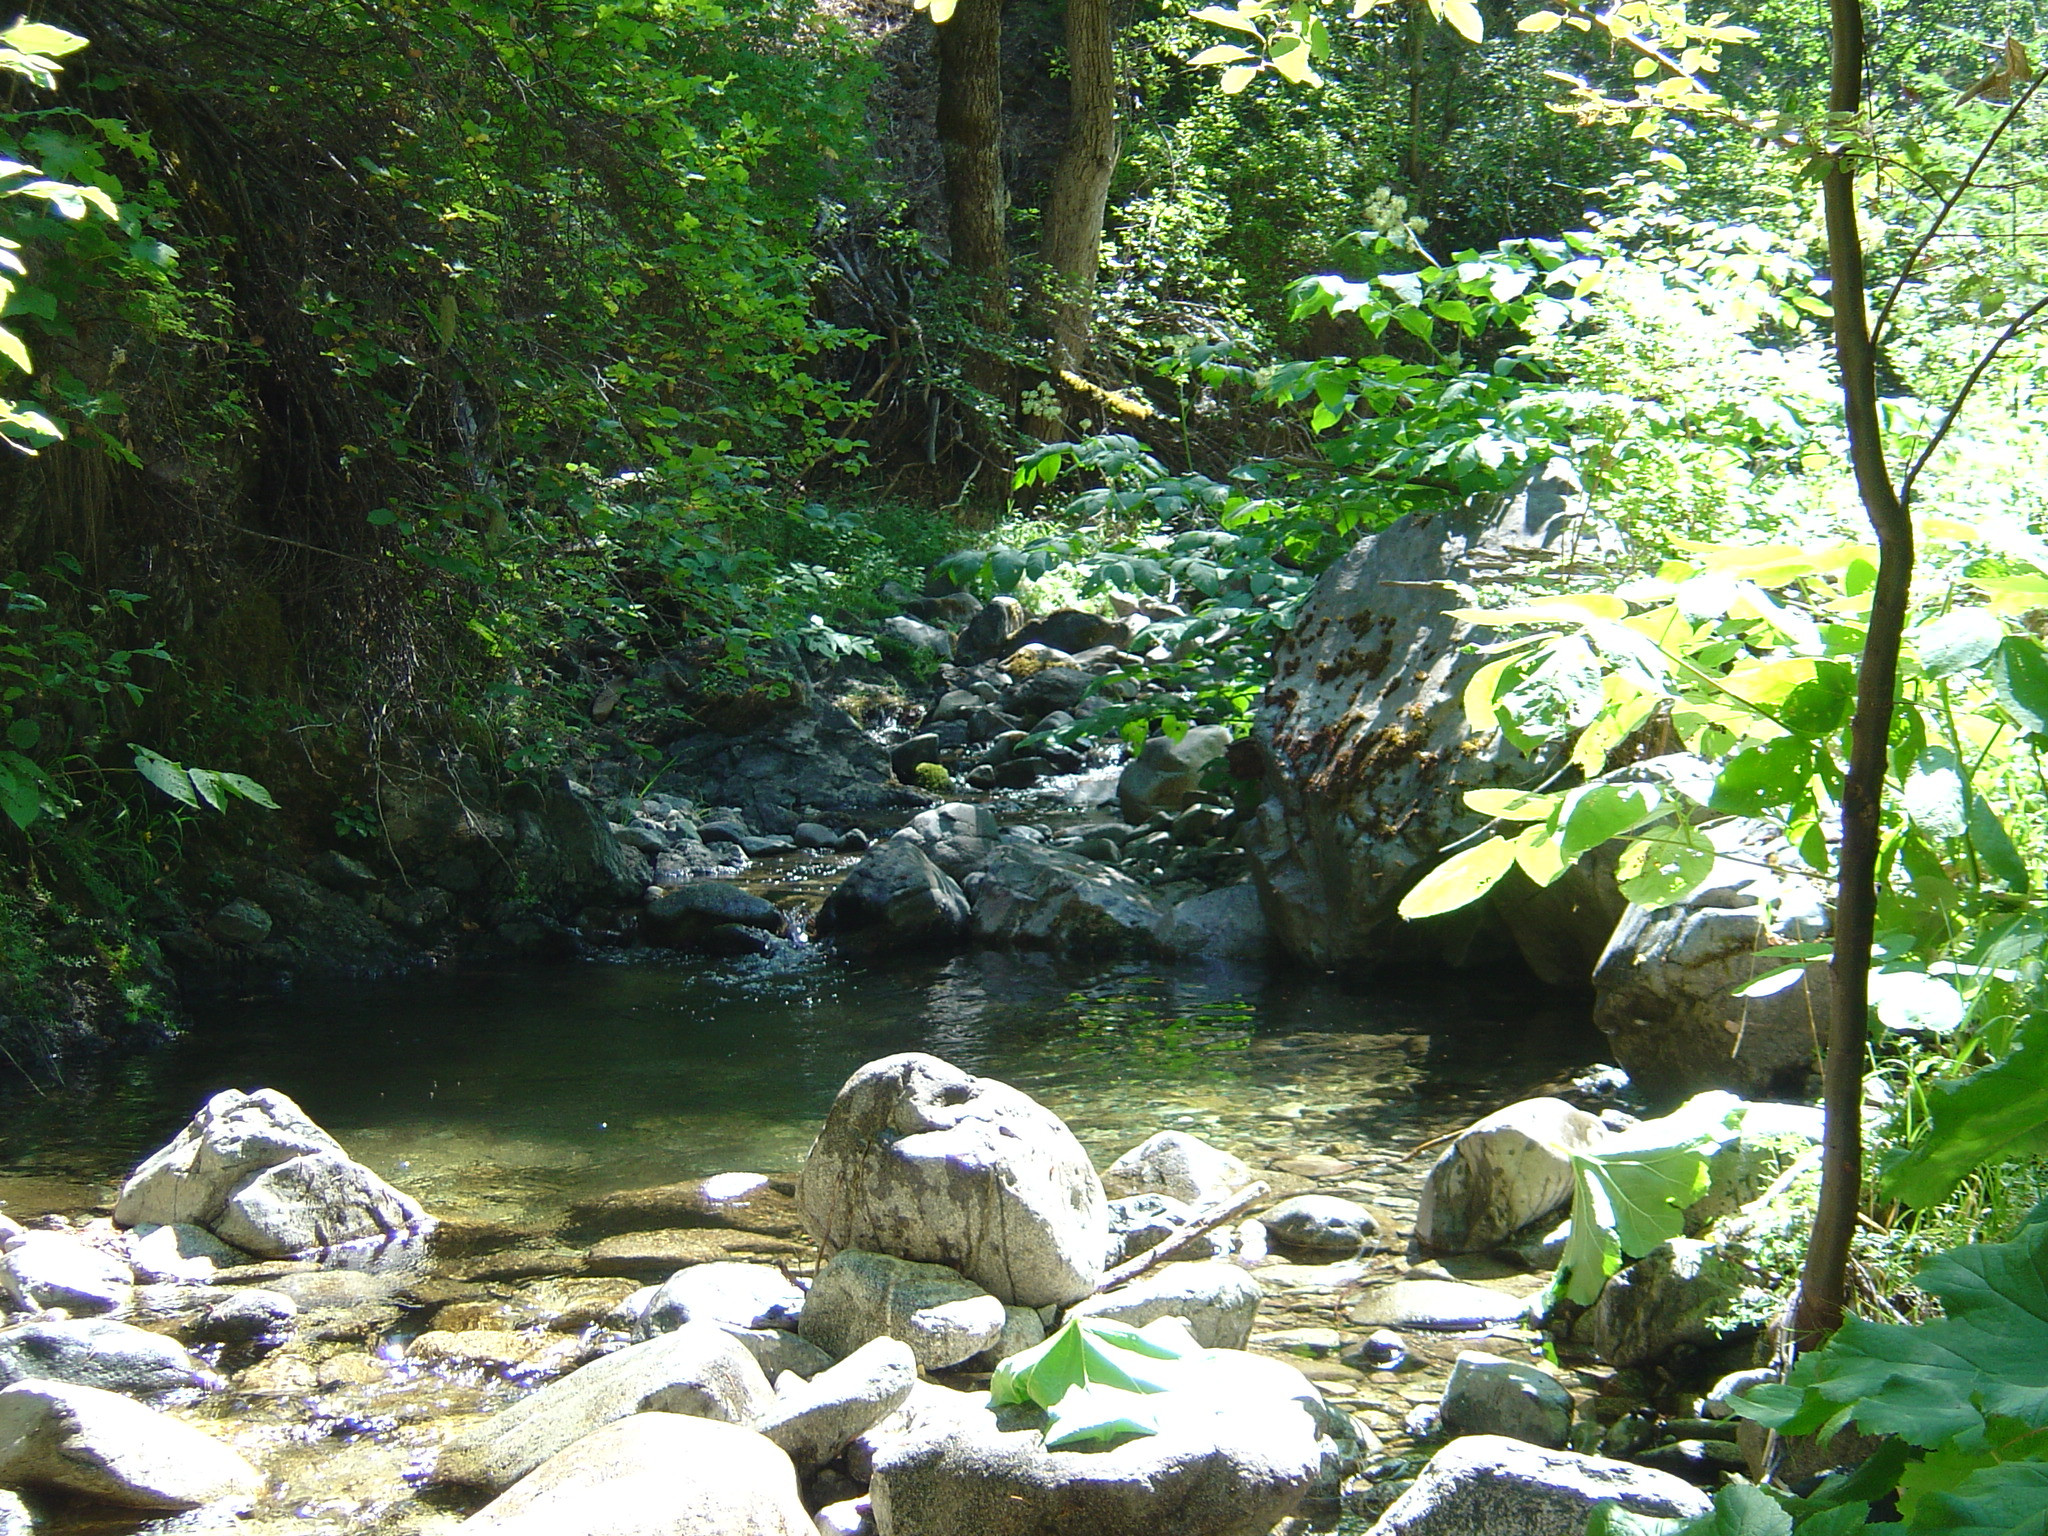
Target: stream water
(503, 1094)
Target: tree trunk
(1823, 1281)
(970, 124)
(1072, 245)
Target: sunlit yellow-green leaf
(1237, 77)
(1460, 880)
(1512, 804)
(1464, 19)
(35, 37)
(1222, 53)
(1222, 16)
(1542, 21)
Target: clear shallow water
(506, 1093)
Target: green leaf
(1758, 778)
(21, 789)
(1511, 804)
(1665, 867)
(1460, 880)
(1093, 1375)
(1221, 53)
(1237, 77)
(2010, 1499)
(2019, 676)
(1632, 1192)
(1994, 845)
(23, 733)
(166, 775)
(1957, 642)
(1996, 1112)
(1819, 707)
(35, 37)
(1463, 17)
(1595, 812)
(1939, 1383)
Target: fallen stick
(1198, 1224)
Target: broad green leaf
(1950, 1470)
(1994, 845)
(166, 775)
(35, 37)
(1541, 21)
(1222, 53)
(1758, 778)
(1957, 642)
(1540, 856)
(2019, 676)
(1093, 1376)
(1996, 1112)
(1742, 1509)
(1595, 812)
(21, 792)
(1632, 1192)
(1237, 77)
(243, 787)
(1617, 1520)
(1935, 1384)
(1819, 707)
(1460, 880)
(2010, 1499)
(1221, 16)
(1665, 867)
(1511, 804)
(1771, 983)
(1463, 17)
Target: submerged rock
(1448, 1305)
(252, 1169)
(654, 1474)
(699, 1370)
(920, 1160)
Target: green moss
(932, 777)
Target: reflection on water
(506, 1093)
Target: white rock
(1448, 1305)
(1234, 1455)
(654, 1474)
(928, 1407)
(849, 1517)
(15, 1519)
(1720, 1399)
(99, 1352)
(1488, 1485)
(259, 1175)
(923, 1161)
(1218, 1300)
(699, 1370)
(1507, 1171)
(943, 1316)
(1177, 1164)
(58, 1269)
(105, 1446)
(1141, 1222)
(1321, 1224)
(814, 1420)
(729, 1294)
(1487, 1395)
(166, 1254)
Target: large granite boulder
(252, 1169)
(895, 898)
(687, 916)
(699, 1370)
(654, 1474)
(815, 1420)
(1489, 1485)
(1218, 1301)
(1362, 734)
(1664, 986)
(1506, 1172)
(61, 1269)
(1234, 1455)
(1225, 924)
(1180, 1165)
(99, 1352)
(992, 632)
(81, 1440)
(1041, 898)
(922, 1161)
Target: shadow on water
(506, 1092)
